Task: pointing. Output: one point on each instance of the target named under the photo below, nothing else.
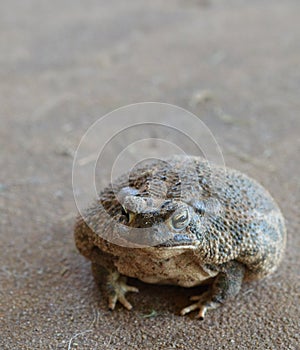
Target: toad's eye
(180, 219)
(129, 215)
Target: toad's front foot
(204, 303)
(117, 288)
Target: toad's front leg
(226, 284)
(114, 285)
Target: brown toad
(182, 221)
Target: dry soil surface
(63, 64)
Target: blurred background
(64, 64)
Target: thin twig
(75, 336)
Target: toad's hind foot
(204, 303)
(225, 285)
(117, 288)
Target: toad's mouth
(156, 236)
(176, 241)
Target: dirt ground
(63, 64)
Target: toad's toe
(118, 289)
(203, 304)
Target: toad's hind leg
(114, 285)
(226, 284)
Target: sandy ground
(63, 64)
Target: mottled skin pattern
(204, 224)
